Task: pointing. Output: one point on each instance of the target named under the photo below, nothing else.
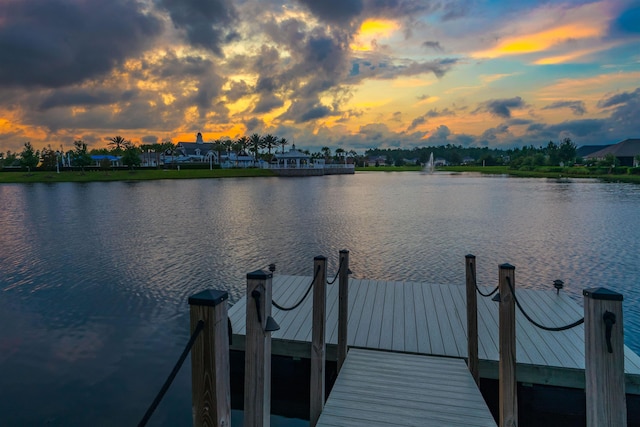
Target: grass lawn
(127, 175)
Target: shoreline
(22, 177)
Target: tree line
(264, 146)
(552, 154)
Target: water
(94, 278)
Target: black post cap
(259, 275)
(469, 256)
(320, 258)
(209, 297)
(602, 294)
(507, 266)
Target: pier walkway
(430, 319)
(378, 388)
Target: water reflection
(95, 276)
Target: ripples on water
(95, 277)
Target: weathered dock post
(472, 318)
(343, 306)
(257, 380)
(318, 355)
(604, 358)
(210, 382)
(507, 338)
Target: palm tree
(117, 142)
(243, 142)
(269, 141)
(283, 142)
(219, 147)
(326, 151)
(257, 143)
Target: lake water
(94, 278)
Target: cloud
(56, 43)
(501, 107)
(620, 98)
(335, 11)
(207, 24)
(433, 45)
(429, 115)
(577, 107)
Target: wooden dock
(430, 319)
(378, 388)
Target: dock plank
(430, 319)
(393, 389)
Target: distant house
(585, 150)
(198, 151)
(625, 151)
(98, 158)
(468, 161)
(439, 161)
(376, 161)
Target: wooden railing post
(210, 382)
(507, 338)
(318, 339)
(472, 318)
(604, 358)
(343, 307)
(257, 368)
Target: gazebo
(292, 159)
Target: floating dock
(430, 320)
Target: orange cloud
(537, 42)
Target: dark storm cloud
(620, 98)
(382, 68)
(420, 120)
(237, 90)
(172, 66)
(253, 124)
(85, 97)
(149, 139)
(501, 107)
(433, 45)
(429, 115)
(454, 10)
(335, 11)
(208, 24)
(577, 107)
(267, 103)
(624, 117)
(54, 43)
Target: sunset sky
(351, 74)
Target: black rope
(546, 328)
(337, 273)
(172, 375)
(296, 305)
(473, 276)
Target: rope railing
(475, 283)
(296, 305)
(533, 322)
(172, 375)
(331, 282)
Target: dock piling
(507, 348)
(210, 374)
(318, 354)
(604, 358)
(472, 318)
(257, 381)
(343, 306)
